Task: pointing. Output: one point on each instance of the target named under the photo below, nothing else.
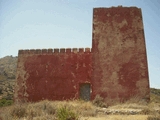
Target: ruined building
(115, 68)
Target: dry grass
(80, 110)
(48, 110)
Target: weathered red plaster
(116, 67)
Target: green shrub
(4, 102)
(65, 113)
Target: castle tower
(119, 54)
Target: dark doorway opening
(85, 91)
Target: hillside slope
(8, 67)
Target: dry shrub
(154, 117)
(18, 111)
(32, 111)
(137, 100)
(46, 106)
(99, 101)
(146, 111)
(40, 109)
(6, 116)
(86, 109)
(155, 95)
(51, 110)
(85, 106)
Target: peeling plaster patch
(77, 66)
(108, 15)
(73, 74)
(46, 66)
(26, 94)
(123, 23)
(84, 65)
(129, 43)
(142, 86)
(36, 72)
(114, 77)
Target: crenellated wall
(53, 74)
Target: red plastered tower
(120, 69)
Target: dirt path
(117, 117)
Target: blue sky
(32, 24)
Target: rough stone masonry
(115, 68)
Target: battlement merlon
(54, 51)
